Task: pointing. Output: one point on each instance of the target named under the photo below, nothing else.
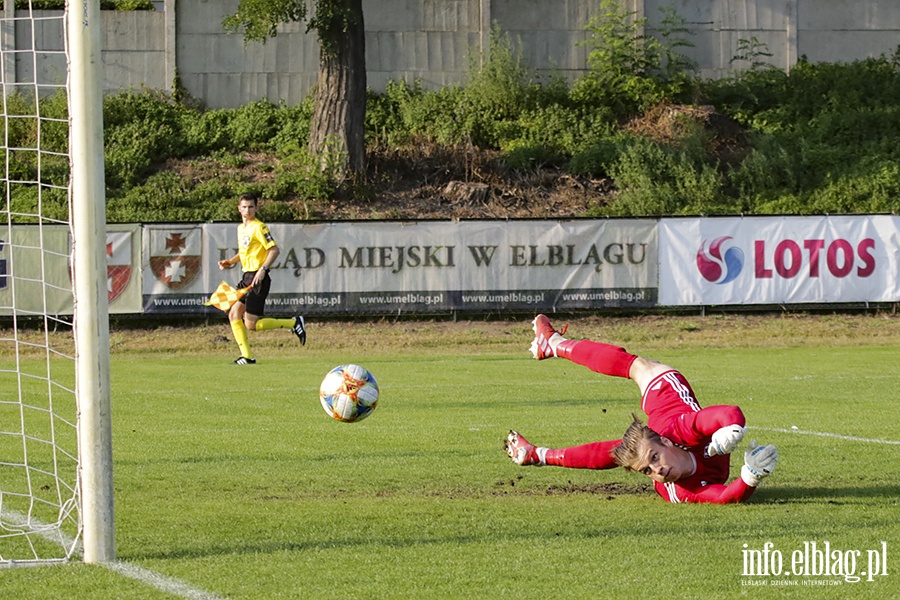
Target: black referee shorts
(255, 299)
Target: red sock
(597, 455)
(596, 356)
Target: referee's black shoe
(299, 329)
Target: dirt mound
(672, 124)
(441, 182)
(610, 489)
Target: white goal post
(56, 493)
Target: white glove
(725, 440)
(759, 462)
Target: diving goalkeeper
(683, 448)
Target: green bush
(24, 200)
(483, 113)
(20, 131)
(216, 198)
(441, 116)
(565, 129)
(165, 197)
(21, 137)
(153, 106)
(132, 150)
(553, 134)
(141, 130)
(292, 128)
(207, 131)
(303, 176)
(523, 156)
(253, 126)
(55, 123)
(770, 168)
(872, 185)
(657, 180)
(385, 114)
(598, 158)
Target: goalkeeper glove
(759, 462)
(725, 440)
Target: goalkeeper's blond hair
(626, 453)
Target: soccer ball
(349, 393)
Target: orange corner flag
(225, 296)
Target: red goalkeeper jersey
(673, 412)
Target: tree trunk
(337, 129)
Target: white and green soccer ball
(349, 393)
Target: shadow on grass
(799, 495)
(779, 495)
(267, 547)
(825, 495)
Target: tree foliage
(260, 19)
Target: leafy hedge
(820, 139)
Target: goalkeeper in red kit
(683, 448)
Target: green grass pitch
(232, 480)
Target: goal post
(91, 318)
(56, 491)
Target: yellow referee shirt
(254, 241)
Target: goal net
(55, 463)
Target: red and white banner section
(420, 266)
(779, 260)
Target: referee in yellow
(257, 251)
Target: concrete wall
(134, 48)
(431, 41)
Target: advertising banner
(779, 260)
(421, 266)
(36, 274)
(382, 268)
(34, 270)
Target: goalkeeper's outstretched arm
(736, 491)
(759, 462)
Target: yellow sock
(240, 336)
(267, 323)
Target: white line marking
(169, 585)
(160, 582)
(849, 438)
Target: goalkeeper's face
(663, 461)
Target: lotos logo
(840, 256)
(720, 261)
